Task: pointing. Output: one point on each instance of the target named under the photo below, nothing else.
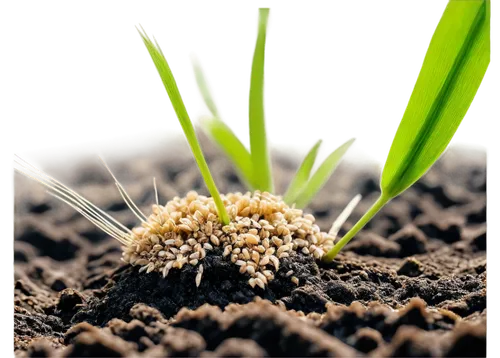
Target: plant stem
(379, 204)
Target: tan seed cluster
(262, 231)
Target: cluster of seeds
(263, 229)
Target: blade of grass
(321, 175)
(302, 175)
(452, 71)
(186, 124)
(258, 140)
(453, 68)
(221, 134)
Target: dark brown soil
(412, 284)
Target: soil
(412, 284)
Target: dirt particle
(411, 240)
(411, 267)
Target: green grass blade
(258, 139)
(302, 175)
(186, 124)
(218, 130)
(321, 175)
(221, 134)
(453, 69)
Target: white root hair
(91, 212)
(344, 215)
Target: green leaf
(299, 180)
(453, 68)
(221, 134)
(321, 175)
(186, 124)
(258, 141)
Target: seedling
(257, 229)
(453, 68)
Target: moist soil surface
(413, 283)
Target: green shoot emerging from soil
(254, 166)
(453, 68)
(175, 98)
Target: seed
(170, 256)
(305, 250)
(264, 261)
(234, 258)
(277, 241)
(251, 239)
(283, 249)
(154, 239)
(289, 273)
(208, 228)
(300, 242)
(250, 269)
(162, 253)
(270, 251)
(318, 253)
(240, 262)
(269, 275)
(215, 240)
(192, 242)
(310, 218)
(143, 268)
(262, 277)
(252, 282)
(265, 243)
(150, 267)
(169, 242)
(198, 275)
(236, 251)
(243, 268)
(174, 250)
(142, 262)
(260, 283)
(207, 246)
(196, 256)
(202, 253)
(283, 255)
(186, 248)
(185, 228)
(227, 250)
(191, 195)
(261, 249)
(288, 239)
(246, 254)
(275, 261)
(157, 247)
(194, 262)
(199, 216)
(255, 257)
(295, 280)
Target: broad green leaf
(221, 134)
(321, 175)
(175, 98)
(258, 139)
(302, 175)
(453, 69)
